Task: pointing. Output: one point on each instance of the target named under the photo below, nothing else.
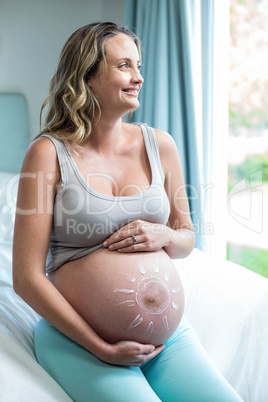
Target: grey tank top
(83, 218)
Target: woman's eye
(126, 65)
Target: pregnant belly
(137, 296)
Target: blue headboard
(14, 131)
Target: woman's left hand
(139, 236)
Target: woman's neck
(107, 135)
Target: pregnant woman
(101, 212)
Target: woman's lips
(132, 92)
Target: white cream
(141, 269)
(123, 291)
(146, 288)
(150, 329)
(167, 274)
(156, 265)
(165, 322)
(137, 321)
(128, 303)
(129, 278)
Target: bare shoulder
(169, 155)
(40, 146)
(166, 143)
(164, 139)
(41, 155)
(132, 128)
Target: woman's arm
(177, 238)
(181, 237)
(39, 179)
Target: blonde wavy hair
(72, 106)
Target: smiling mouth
(131, 91)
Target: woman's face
(118, 81)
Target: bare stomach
(137, 296)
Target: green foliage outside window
(251, 258)
(246, 170)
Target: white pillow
(18, 319)
(8, 195)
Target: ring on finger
(134, 239)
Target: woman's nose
(137, 77)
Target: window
(248, 136)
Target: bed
(226, 304)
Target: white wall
(32, 34)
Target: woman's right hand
(130, 353)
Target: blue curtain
(176, 38)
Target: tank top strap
(62, 157)
(152, 148)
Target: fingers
(147, 349)
(129, 353)
(143, 245)
(149, 237)
(153, 352)
(125, 243)
(128, 246)
(124, 233)
(123, 237)
(156, 351)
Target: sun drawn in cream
(152, 295)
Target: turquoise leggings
(182, 372)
